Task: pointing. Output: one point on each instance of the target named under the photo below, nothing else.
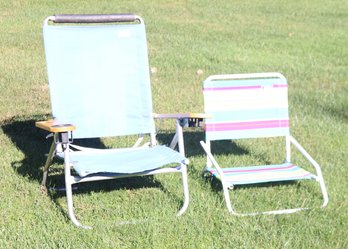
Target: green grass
(304, 40)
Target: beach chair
(99, 85)
(245, 106)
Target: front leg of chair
(185, 189)
(211, 160)
(227, 198)
(68, 188)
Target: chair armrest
(186, 119)
(52, 126)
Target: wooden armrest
(181, 115)
(52, 126)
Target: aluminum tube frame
(225, 186)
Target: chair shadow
(32, 143)
(193, 147)
(223, 147)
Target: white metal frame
(72, 179)
(225, 186)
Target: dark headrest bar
(94, 18)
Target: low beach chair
(245, 106)
(99, 85)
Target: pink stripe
(247, 125)
(239, 87)
(280, 85)
(236, 181)
(255, 170)
(230, 88)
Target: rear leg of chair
(317, 167)
(47, 166)
(279, 211)
(185, 189)
(323, 191)
(234, 212)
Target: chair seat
(124, 161)
(262, 174)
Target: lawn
(304, 40)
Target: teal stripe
(233, 175)
(243, 82)
(225, 135)
(248, 115)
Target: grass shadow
(193, 147)
(31, 142)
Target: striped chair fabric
(260, 174)
(246, 108)
(250, 108)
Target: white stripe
(246, 76)
(246, 120)
(245, 99)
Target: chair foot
(78, 224)
(43, 189)
(183, 209)
(185, 189)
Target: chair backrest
(99, 77)
(246, 106)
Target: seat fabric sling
(99, 75)
(265, 173)
(118, 161)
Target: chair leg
(68, 189)
(317, 167)
(71, 206)
(185, 189)
(323, 191)
(232, 211)
(47, 166)
(227, 198)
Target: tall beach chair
(245, 106)
(99, 85)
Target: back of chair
(99, 77)
(246, 106)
